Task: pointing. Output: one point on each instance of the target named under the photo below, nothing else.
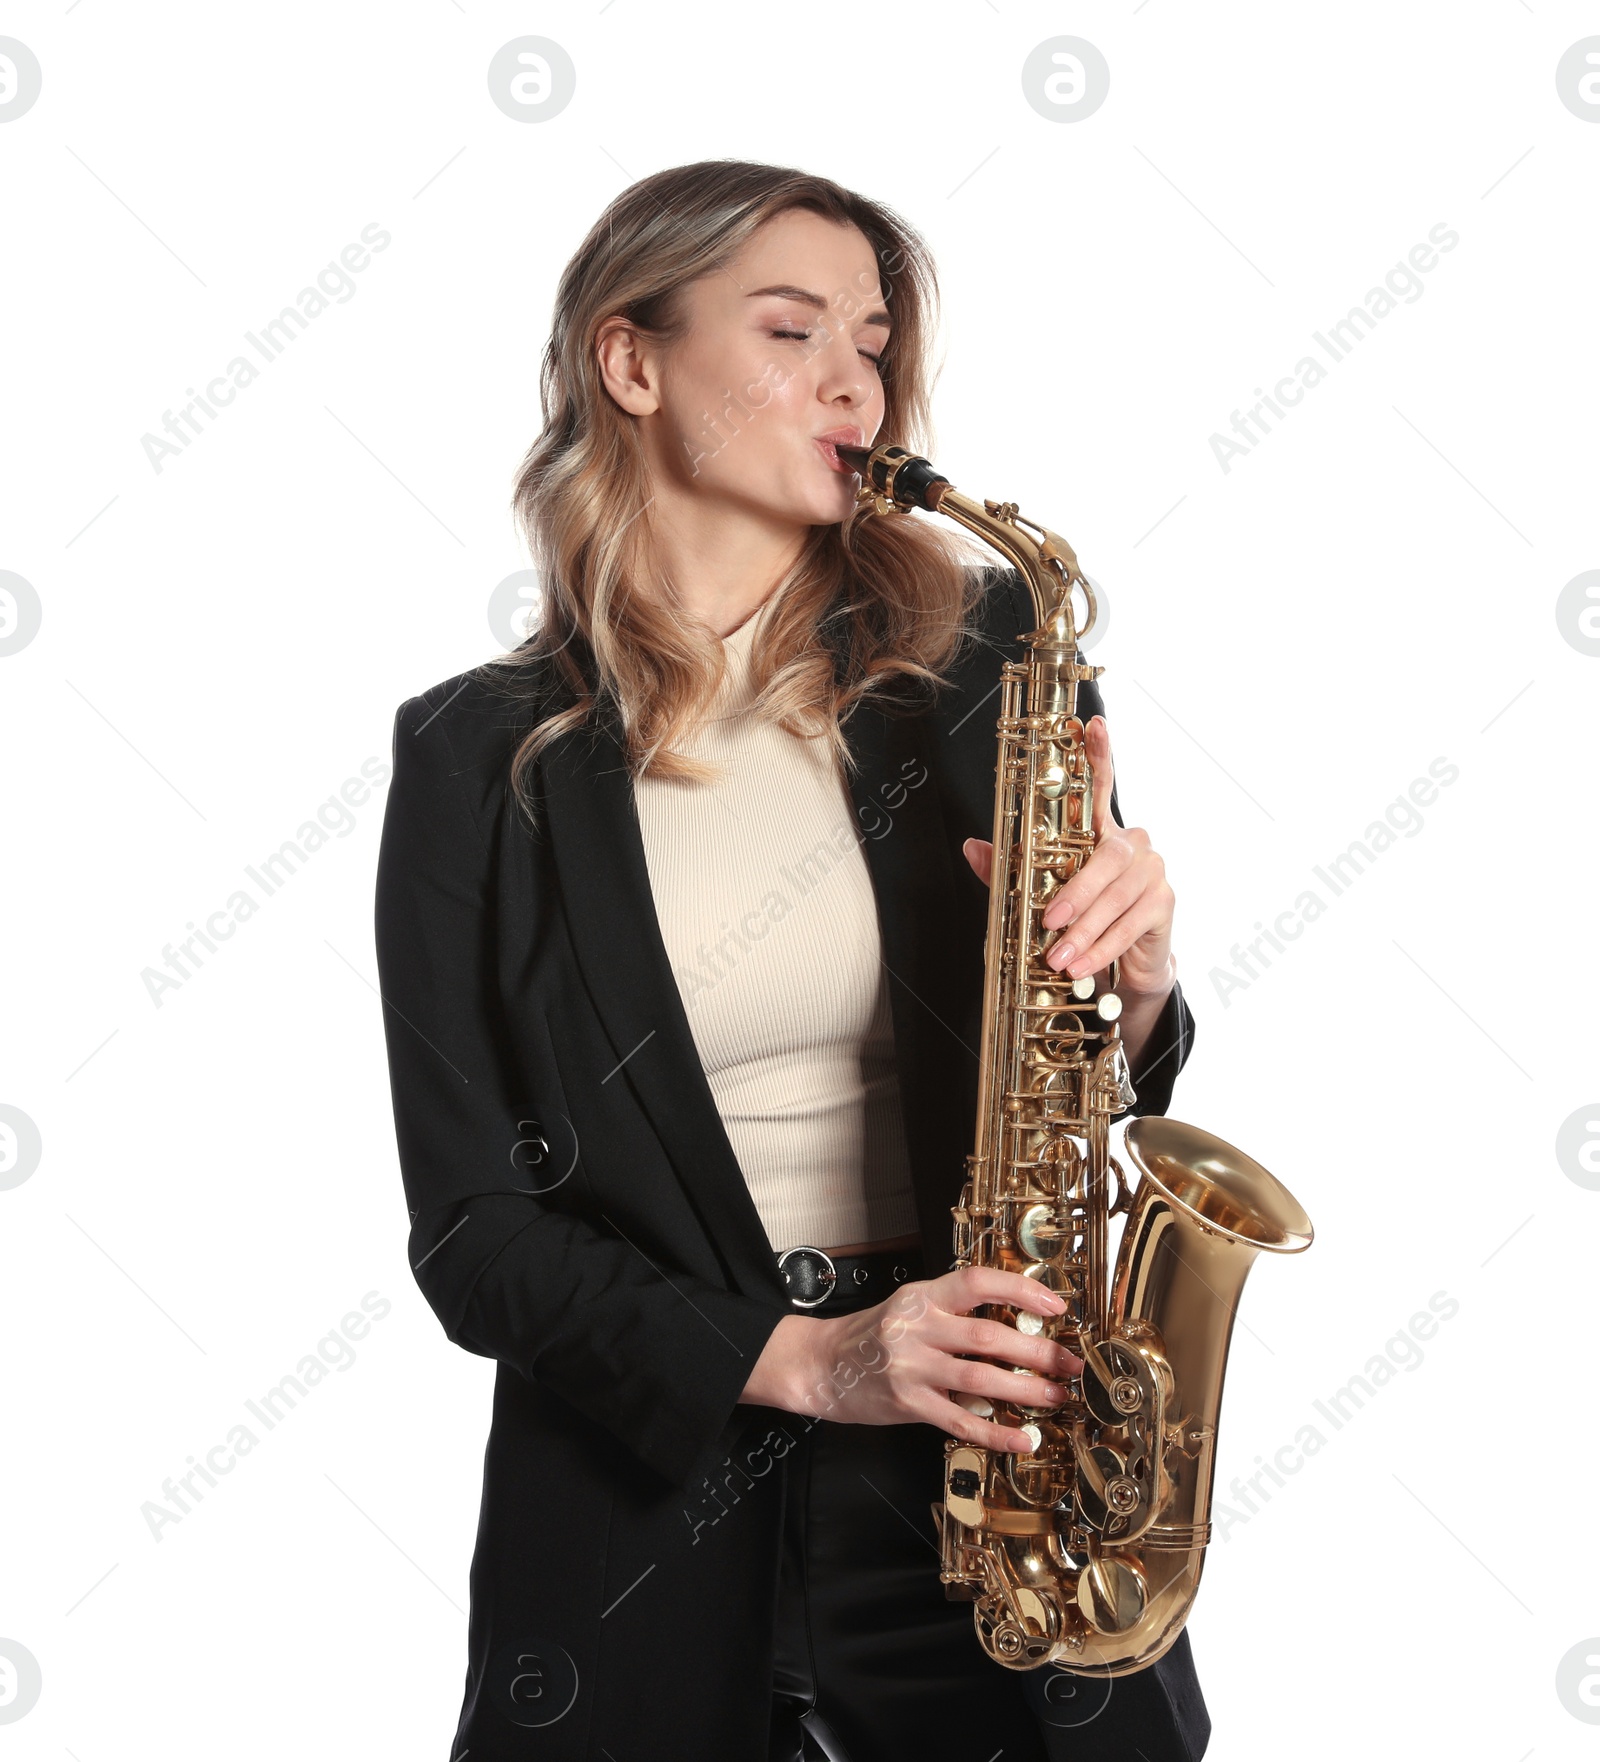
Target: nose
(843, 375)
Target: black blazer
(578, 1214)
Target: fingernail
(1061, 954)
(1057, 1303)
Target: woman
(682, 975)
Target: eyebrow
(807, 298)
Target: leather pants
(874, 1664)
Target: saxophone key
(1111, 1594)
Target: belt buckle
(813, 1271)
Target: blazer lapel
(598, 849)
(605, 886)
(911, 856)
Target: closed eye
(801, 336)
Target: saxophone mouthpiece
(905, 479)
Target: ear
(626, 369)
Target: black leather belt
(835, 1284)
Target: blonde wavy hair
(870, 603)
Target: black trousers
(874, 1663)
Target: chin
(833, 502)
(831, 511)
(816, 507)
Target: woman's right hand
(899, 1360)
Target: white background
(1293, 641)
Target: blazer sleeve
(653, 1357)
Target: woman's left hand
(1118, 905)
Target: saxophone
(1085, 1553)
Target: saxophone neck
(1049, 565)
(896, 481)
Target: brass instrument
(1086, 1553)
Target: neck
(724, 560)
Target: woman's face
(779, 356)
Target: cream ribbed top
(767, 912)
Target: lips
(850, 437)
